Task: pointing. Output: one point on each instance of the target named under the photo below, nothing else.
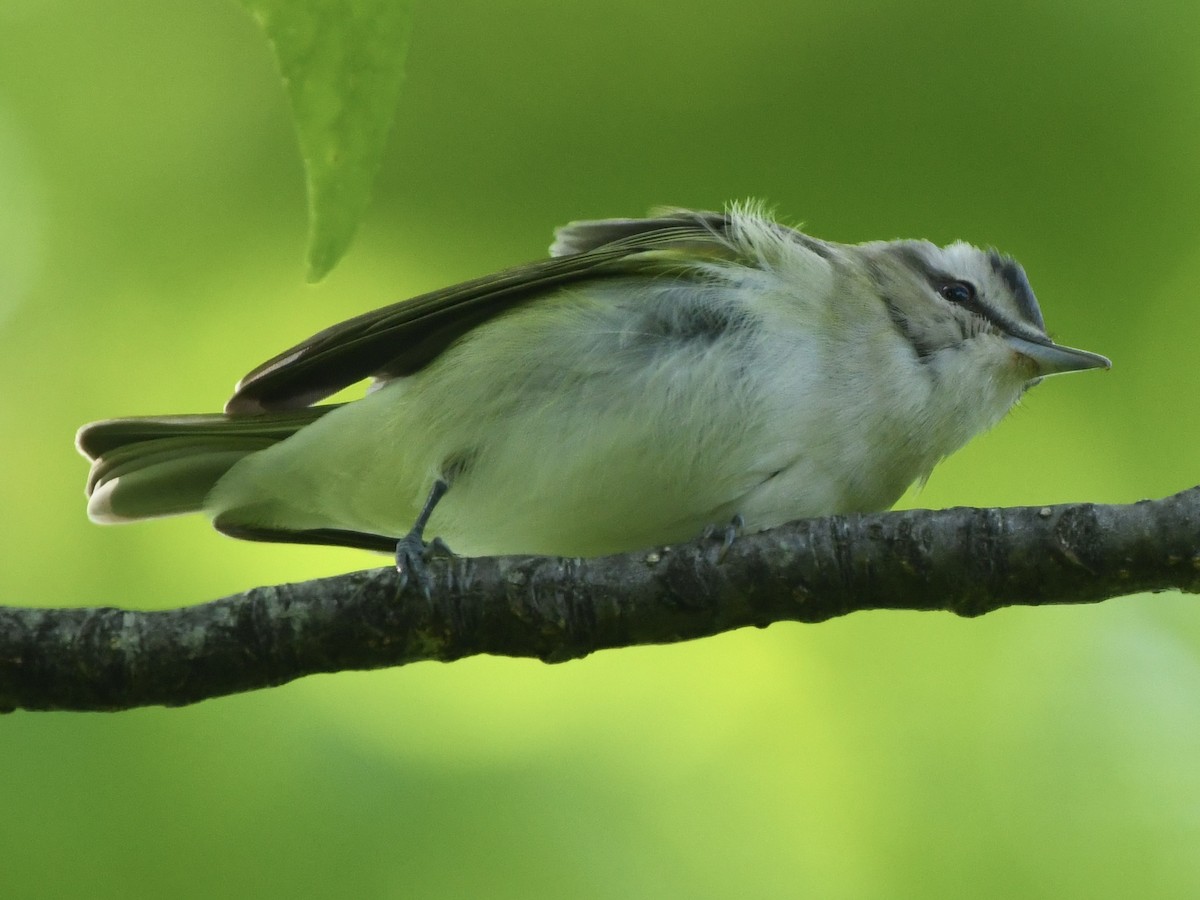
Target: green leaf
(342, 63)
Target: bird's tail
(143, 468)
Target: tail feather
(170, 487)
(145, 468)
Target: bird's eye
(958, 291)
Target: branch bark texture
(965, 561)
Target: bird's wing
(402, 338)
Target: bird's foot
(727, 534)
(412, 554)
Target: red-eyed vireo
(652, 378)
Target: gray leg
(412, 551)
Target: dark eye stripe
(1030, 325)
(972, 302)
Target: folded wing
(401, 339)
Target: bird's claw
(731, 533)
(728, 534)
(412, 554)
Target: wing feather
(404, 337)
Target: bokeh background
(152, 225)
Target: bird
(650, 379)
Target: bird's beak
(1050, 358)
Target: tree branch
(965, 561)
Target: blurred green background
(151, 239)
